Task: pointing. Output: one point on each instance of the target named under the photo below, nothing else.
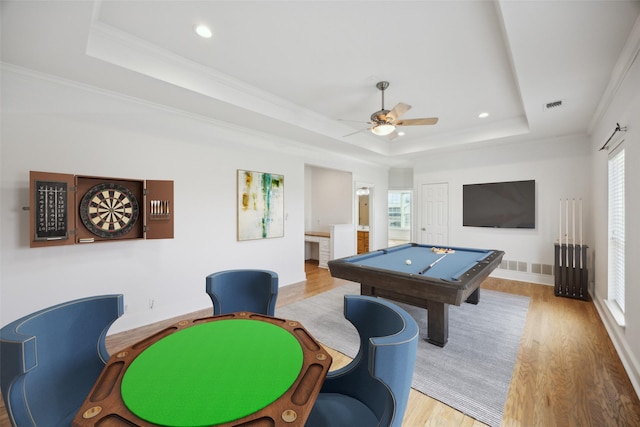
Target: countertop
(317, 233)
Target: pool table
(422, 275)
(239, 369)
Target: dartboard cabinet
(68, 209)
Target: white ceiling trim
(119, 48)
(470, 135)
(627, 58)
(248, 137)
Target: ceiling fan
(384, 122)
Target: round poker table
(239, 369)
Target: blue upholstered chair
(51, 359)
(373, 389)
(243, 290)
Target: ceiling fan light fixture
(384, 122)
(383, 129)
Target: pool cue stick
(581, 241)
(432, 264)
(560, 229)
(573, 231)
(575, 253)
(582, 256)
(566, 242)
(566, 229)
(572, 267)
(572, 252)
(558, 256)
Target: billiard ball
(408, 262)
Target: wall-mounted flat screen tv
(499, 204)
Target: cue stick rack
(67, 209)
(570, 259)
(570, 271)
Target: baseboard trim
(630, 363)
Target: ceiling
(306, 71)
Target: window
(616, 234)
(400, 209)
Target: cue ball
(408, 262)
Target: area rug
(471, 373)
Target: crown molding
(626, 60)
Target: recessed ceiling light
(483, 115)
(203, 31)
(401, 133)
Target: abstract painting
(260, 205)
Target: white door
(434, 216)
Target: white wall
(56, 126)
(326, 197)
(400, 178)
(624, 108)
(560, 168)
(331, 198)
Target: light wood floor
(567, 372)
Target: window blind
(616, 227)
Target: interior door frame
(357, 185)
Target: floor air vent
(542, 269)
(513, 265)
(522, 266)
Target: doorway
(400, 217)
(364, 215)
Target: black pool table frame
(421, 291)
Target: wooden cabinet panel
(363, 242)
(51, 210)
(159, 210)
(323, 247)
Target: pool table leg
(437, 323)
(474, 298)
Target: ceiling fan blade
(393, 135)
(353, 133)
(353, 121)
(417, 122)
(398, 110)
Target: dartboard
(109, 210)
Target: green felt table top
(212, 373)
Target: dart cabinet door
(67, 209)
(159, 210)
(51, 215)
